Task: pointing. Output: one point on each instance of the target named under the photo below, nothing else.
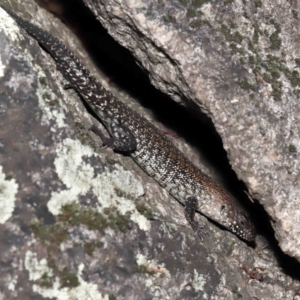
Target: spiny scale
(151, 150)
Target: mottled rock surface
(239, 61)
(80, 222)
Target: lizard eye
(242, 221)
(223, 208)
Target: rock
(78, 221)
(238, 62)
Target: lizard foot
(200, 229)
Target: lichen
(198, 3)
(256, 33)
(190, 12)
(8, 192)
(258, 3)
(68, 279)
(275, 40)
(231, 37)
(198, 281)
(74, 214)
(184, 2)
(292, 148)
(277, 90)
(226, 2)
(49, 235)
(9, 26)
(52, 107)
(244, 84)
(114, 190)
(142, 209)
(90, 247)
(51, 282)
(196, 23)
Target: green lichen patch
(257, 32)
(48, 99)
(195, 24)
(116, 220)
(295, 13)
(275, 39)
(42, 80)
(277, 90)
(167, 18)
(232, 24)
(46, 280)
(50, 235)
(184, 2)
(254, 60)
(68, 279)
(110, 161)
(8, 176)
(267, 77)
(90, 247)
(235, 49)
(257, 3)
(271, 69)
(292, 148)
(226, 2)
(294, 78)
(121, 193)
(297, 93)
(75, 215)
(198, 3)
(275, 24)
(54, 281)
(143, 210)
(195, 16)
(251, 47)
(244, 84)
(231, 36)
(297, 61)
(112, 297)
(191, 13)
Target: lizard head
(238, 221)
(228, 212)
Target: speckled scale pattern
(151, 150)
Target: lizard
(130, 133)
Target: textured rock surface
(239, 61)
(80, 222)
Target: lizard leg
(190, 209)
(105, 140)
(69, 86)
(122, 139)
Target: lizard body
(151, 150)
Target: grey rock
(239, 62)
(78, 221)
